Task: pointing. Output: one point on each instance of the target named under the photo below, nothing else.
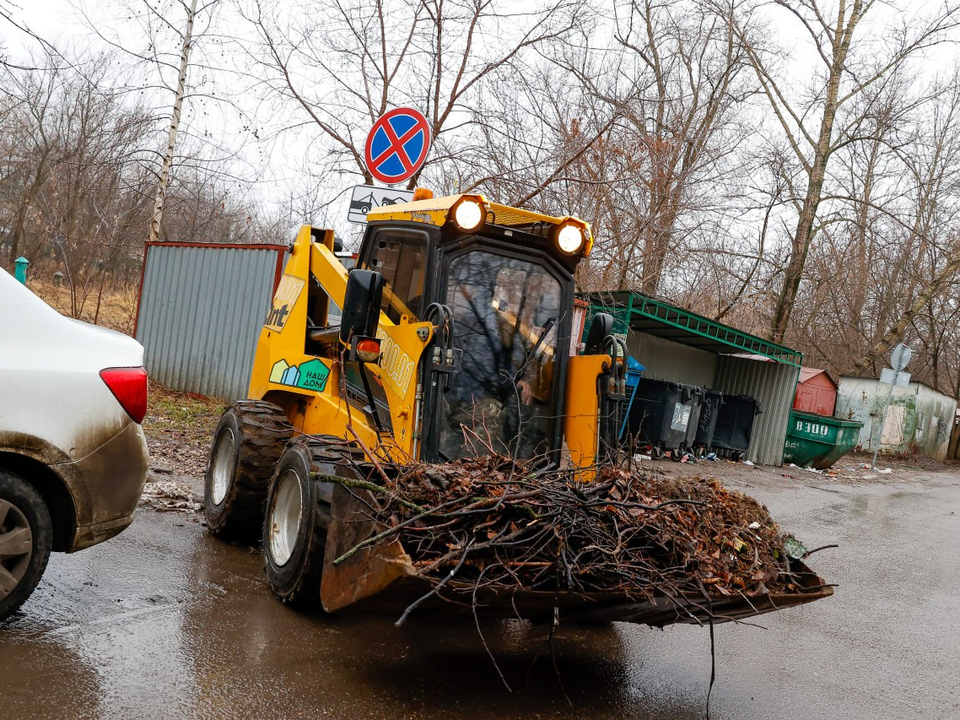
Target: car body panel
(56, 409)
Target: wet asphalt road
(164, 621)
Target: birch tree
(161, 38)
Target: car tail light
(129, 387)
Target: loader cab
(494, 381)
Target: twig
(436, 588)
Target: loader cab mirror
(600, 329)
(361, 305)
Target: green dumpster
(818, 440)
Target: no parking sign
(397, 145)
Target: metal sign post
(898, 360)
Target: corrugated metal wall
(773, 385)
(668, 360)
(201, 310)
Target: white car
(73, 458)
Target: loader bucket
(368, 571)
(382, 578)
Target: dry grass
(116, 308)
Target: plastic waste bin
(658, 414)
(633, 375)
(735, 423)
(818, 441)
(707, 422)
(692, 396)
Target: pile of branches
(493, 522)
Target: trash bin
(633, 375)
(658, 414)
(735, 423)
(707, 423)
(818, 441)
(692, 396)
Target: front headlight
(468, 214)
(570, 238)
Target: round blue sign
(397, 145)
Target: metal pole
(883, 420)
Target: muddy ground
(165, 621)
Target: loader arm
(315, 389)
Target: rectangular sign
(902, 379)
(367, 197)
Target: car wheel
(297, 518)
(246, 446)
(26, 537)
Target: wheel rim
(16, 546)
(224, 465)
(286, 512)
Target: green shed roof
(655, 317)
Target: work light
(468, 214)
(570, 237)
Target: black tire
(26, 538)
(293, 557)
(248, 442)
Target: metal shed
(200, 311)
(677, 345)
(816, 392)
(919, 419)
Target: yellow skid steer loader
(451, 337)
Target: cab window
(401, 257)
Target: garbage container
(818, 441)
(709, 409)
(658, 414)
(692, 396)
(633, 375)
(735, 423)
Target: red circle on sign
(397, 145)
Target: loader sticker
(311, 375)
(397, 364)
(288, 290)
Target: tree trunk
(167, 162)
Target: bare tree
(76, 182)
(339, 75)
(852, 57)
(162, 39)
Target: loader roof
(434, 211)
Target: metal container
(707, 422)
(658, 414)
(819, 441)
(200, 313)
(692, 396)
(735, 423)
